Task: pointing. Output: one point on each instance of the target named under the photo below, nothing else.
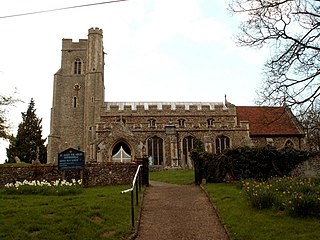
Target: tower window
(77, 66)
(74, 102)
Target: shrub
(245, 162)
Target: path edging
(215, 209)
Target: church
(163, 131)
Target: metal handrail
(133, 182)
(137, 174)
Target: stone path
(179, 212)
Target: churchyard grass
(244, 222)
(95, 213)
(183, 177)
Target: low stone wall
(94, 174)
(309, 168)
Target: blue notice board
(71, 159)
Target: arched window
(121, 153)
(289, 143)
(155, 150)
(77, 66)
(222, 143)
(152, 123)
(210, 122)
(182, 123)
(187, 146)
(74, 102)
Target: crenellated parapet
(95, 30)
(185, 116)
(69, 44)
(167, 107)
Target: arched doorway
(121, 152)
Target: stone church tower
(78, 94)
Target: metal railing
(137, 178)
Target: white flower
(17, 184)
(56, 183)
(9, 185)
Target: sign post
(71, 159)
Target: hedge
(258, 163)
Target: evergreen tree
(28, 144)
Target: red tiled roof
(269, 120)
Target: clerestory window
(182, 123)
(210, 122)
(152, 123)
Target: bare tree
(5, 103)
(310, 120)
(291, 28)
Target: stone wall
(308, 168)
(278, 142)
(94, 174)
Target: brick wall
(94, 174)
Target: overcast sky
(157, 50)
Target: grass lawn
(173, 176)
(245, 223)
(96, 213)
(242, 221)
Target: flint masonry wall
(94, 174)
(309, 168)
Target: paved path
(179, 212)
